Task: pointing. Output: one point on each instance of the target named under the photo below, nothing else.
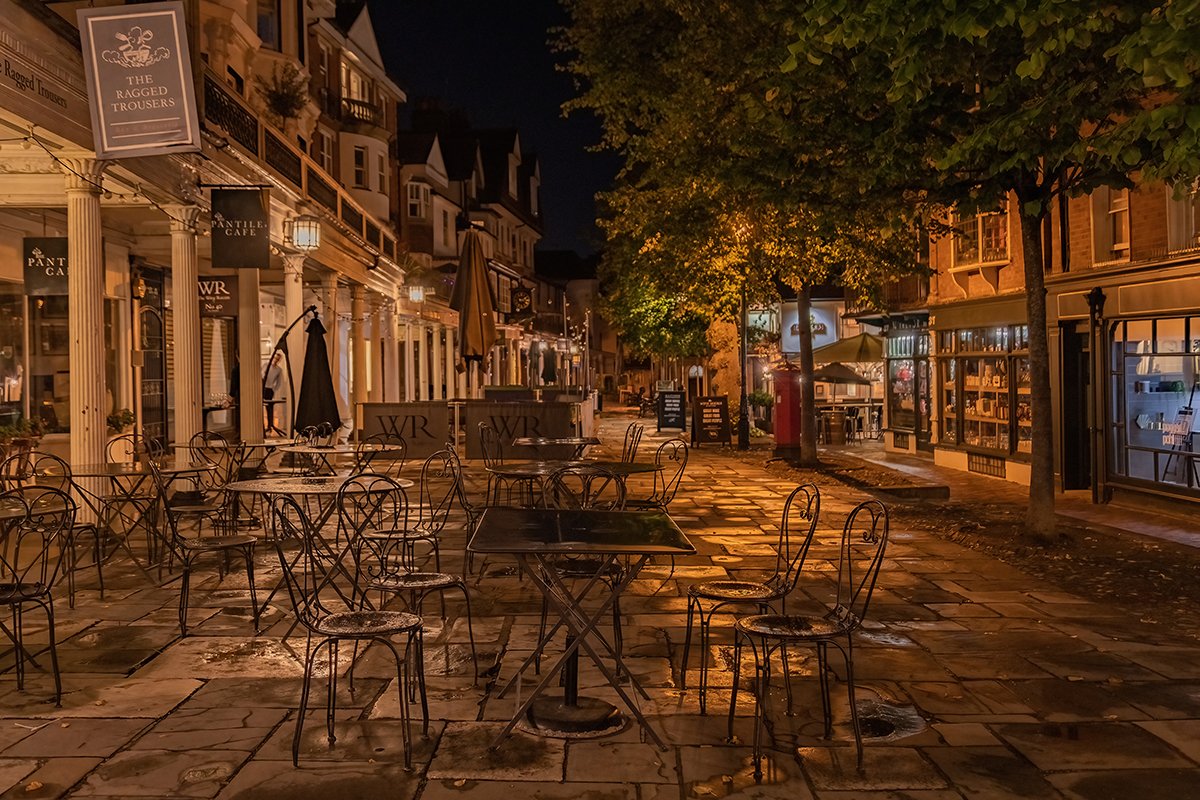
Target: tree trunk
(808, 397)
(1039, 517)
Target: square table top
(574, 531)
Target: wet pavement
(975, 681)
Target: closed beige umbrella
(476, 307)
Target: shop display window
(12, 353)
(49, 361)
(984, 389)
(908, 384)
(1155, 393)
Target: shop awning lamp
(306, 233)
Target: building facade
(1123, 299)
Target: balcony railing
(230, 114)
(361, 111)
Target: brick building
(1123, 297)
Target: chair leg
(762, 686)
(309, 662)
(248, 552)
(618, 634)
(402, 694)
(705, 644)
(49, 607)
(737, 672)
(99, 557)
(417, 646)
(849, 655)
(331, 700)
(19, 649)
(537, 659)
(823, 674)
(687, 643)
(471, 635)
(184, 589)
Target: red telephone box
(787, 418)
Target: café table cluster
(356, 531)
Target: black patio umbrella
(550, 366)
(318, 402)
(472, 299)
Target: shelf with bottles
(986, 435)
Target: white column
(422, 361)
(293, 304)
(329, 298)
(85, 317)
(185, 301)
(451, 375)
(360, 346)
(514, 363)
(438, 362)
(462, 376)
(250, 364)
(375, 395)
(410, 391)
(391, 371)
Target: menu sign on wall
(139, 80)
(241, 230)
(671, 413)
(218, 295)
(45, 260)
(710, 420)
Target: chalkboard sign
(710, 420)
(671, 411)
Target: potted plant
(20, 435)
(119, 421)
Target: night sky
(492, 60)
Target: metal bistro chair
(671, 459)
(218, 512)
(585, 486)
(374, 512)
(49, 471)
(796, 528)
(30, 561)
(863, 542)
(633, 438)
(329, 620)
(502, 490)
(369, 458)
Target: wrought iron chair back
(441, 482)
(368, 457)
(584, 486)
(864, 540)
(633, 439)
(491, 446)
(671, 458)
(371, 501)
(33, 550)
(16, 470)
(796, 528)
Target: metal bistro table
(577, 442)
(126, 479)
(324, 451)
(325, 490)
(534, 472)
(538, 538)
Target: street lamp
(416, 293)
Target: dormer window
(418, 200)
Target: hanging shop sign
(218, 295)
(241, 230)
(45, 266)
(671, 411)
(710, 420)
(139, 80)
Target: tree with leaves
(712, 201)
(972, 102)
